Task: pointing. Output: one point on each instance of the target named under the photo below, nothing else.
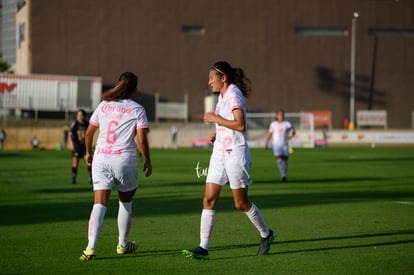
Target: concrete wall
(18, 138)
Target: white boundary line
(405, 202)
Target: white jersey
(280, 132)
(228, 140)
(118, 122)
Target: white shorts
(280, 150)
(105, 175)
(236, 171)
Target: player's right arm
(88, 142)
(268, 137)
(236, 124)
(71, 137)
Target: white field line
(405, 202)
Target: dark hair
(81, 111)
(281, 111)
(126, 86)
(234, 76)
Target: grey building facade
(296, 53)
(7, 31)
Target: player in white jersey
(280, 132)
(120, 121)
(230, 160)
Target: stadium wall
(196, 134)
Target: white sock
(280, 166)
(95, 224)
(257, 220)
(206, 227)
(285, 166)
(124, 222)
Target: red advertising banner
(322, 118)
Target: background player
(280, 132)
(77, 137)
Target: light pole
(351, 125)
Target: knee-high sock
(285, 161)
(206, 227)
(257, 220)
(74, 171)
(95, 224)
(124, 221)
(90, 171)
(281, 167)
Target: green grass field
(343, 211)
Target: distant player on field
(2, 138)
(280, 132)
(120, 121)
(174, 133)
(230, 160)
(77, 137)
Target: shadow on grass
(376, 244)
(9, 154)
(141, 254)
(372, 159)
(318, 180)
(275, 250)
(47, 210)
(72, 189)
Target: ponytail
(234, 76)
(126, 86)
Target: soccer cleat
(265, 243)
(284, 179)
(129, 248)
(197, 253)
(73, 180)
(88, 254)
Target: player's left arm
(292, 132)
(142, 141)
(237, 123)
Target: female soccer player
(230, 160)
(119, 120)
(280, 131)
(77, 136)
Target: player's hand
(210, 117)
(89, 158)
(212, 138)
(147, 168)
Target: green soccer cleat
(88, 254)
(129, 248)
(197, 253)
